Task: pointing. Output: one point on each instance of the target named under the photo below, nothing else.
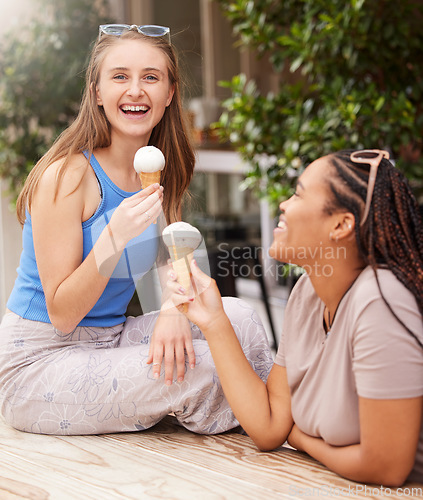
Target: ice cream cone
(182, 239)
(149, 178)
(149, 163)
(181, 259)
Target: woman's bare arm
(263, 410)
(72, 285)
(389, 435)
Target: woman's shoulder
(370, 284)
(70, 171)
(376, 293)
(69, 182)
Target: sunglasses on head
(147, 30)
(371, 157)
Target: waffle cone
(181, 260)
(148, 178)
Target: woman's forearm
(265, 416)
(344, 460)
(80, 291)
(352, 462)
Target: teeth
(134, 108)
(282, 224)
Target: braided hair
(392, 235)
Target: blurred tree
(350, 78)
(42, 67)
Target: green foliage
(42, 67)
(350, 78)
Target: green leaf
(296, 64)
(379, 103)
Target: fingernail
(181, 289)
(155, 375)
(168, 382)
(192, 366)
(180, 379)
(172, 275)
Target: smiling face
(304, 226)
(134, 88)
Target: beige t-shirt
(367, 353)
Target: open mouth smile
(282, 225)
(134, 110)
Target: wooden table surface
(166, 462)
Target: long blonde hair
(91, 130)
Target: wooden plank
(284, 473)
(165, 462)
(106, 467)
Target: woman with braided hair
(393, 237)
(346, 386)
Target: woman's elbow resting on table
(271, 435)
(387, 469)
(268, 445)
(389, 437)
(276, 418)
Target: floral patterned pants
(96, 380)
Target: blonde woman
(70, 360)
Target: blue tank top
(27, 298)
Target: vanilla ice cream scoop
(182, 239)
(149, 159)
(182, 234)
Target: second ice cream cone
(182, 239)
(181, 260)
